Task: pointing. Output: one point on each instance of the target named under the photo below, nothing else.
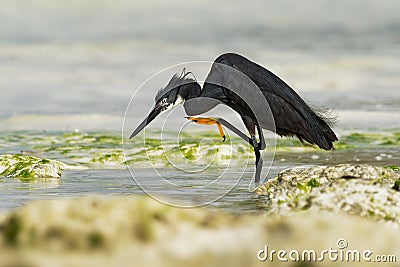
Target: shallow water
(102, 168)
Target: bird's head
(178, 89)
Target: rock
(30, 167)
(131, 231)
(363, 190)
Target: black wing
(293, 117)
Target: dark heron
(291, 115)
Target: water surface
(102, 168)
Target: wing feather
(292, 116)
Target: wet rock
(363, 190)
(30, 167)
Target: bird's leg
(209, 121)
(261, 144)
(235, 130)
(259, 161)
(252, 141)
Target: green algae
(308, 185)
(11, 230)
(103, 149)
(396, 185)
(301, 187)
(344, 145)
(394, 168)
(190, 152)
(115, 156)
(31, 167)
(95, 240)
(313, 182)
(380, 139)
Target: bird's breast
(200, 105)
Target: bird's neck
(190, 91)
(213, 91)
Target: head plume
(176, 81)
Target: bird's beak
(153, 114)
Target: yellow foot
(208, 121)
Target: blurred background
(84, 59)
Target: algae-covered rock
(30, 167)
(131, 231)
(354, 189)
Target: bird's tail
(320, 132)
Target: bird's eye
(164, 101)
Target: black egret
(291, 115)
